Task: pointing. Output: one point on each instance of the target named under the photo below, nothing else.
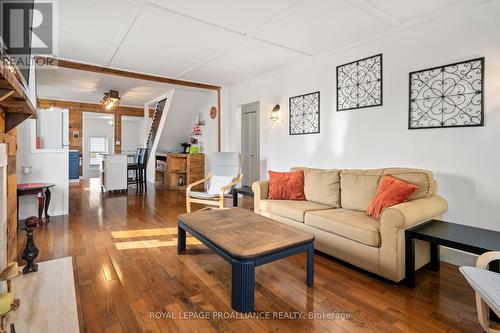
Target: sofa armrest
(409, 213)
(260, 191)
(393, 223)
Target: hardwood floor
(127, 271)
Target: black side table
(244, 190)
(457, 236)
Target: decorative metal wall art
(304, 114)
(447, 96)
(359, 84)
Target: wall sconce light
(275, 114)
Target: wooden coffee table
(245, 240)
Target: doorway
(250, 143)
(98, 138)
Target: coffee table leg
(310, 265)
(243, 284)
(409, 260)
(435, 260)
(181, 240)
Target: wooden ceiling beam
(119, 72)
(92, 107)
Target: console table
(41, 190)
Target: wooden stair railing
(153, 130)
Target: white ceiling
(81, 86)
(223, 42)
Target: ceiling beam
(118, 72)
(90, 107)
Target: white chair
(225, 173)
(486, 284)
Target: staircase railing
(153, 130)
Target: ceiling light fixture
(111, 99)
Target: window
(97, 145)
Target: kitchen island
(113, 172)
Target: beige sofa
(334, 211)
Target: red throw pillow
(286, 185)
(391, 191)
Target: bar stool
(140, 168)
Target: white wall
(49, 166)
(183, 114)
(465, 161)
(132, 133)
(95, 124)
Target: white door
(250, 143)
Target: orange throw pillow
(286, 185)
(391, 191)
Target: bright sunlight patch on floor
(144, 232)
(145, 244)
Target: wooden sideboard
(188, 167)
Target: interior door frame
(250, 108)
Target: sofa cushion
(294, 210)
(358, 188)
(424, 179)
(346, 223)
(321, 185)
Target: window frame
(96, 161)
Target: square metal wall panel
(447, 96)
(359, 84)
(304, 114)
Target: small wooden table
(41, 190)
(245, 240)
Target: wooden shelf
(161, 170)
(189, 167)
(13, 99)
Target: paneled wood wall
(10, 139)
(76, 110)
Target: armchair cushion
(202, 195)
(217, 183)
(485, 283)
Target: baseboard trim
(24, 216)
(457, 257)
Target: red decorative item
(391, 191)
(213, 112)
(196, 130)
(286, 185)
